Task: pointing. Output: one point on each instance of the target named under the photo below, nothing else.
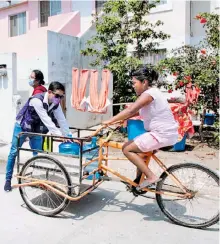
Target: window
(159, 3)
(18, 24)
(55, 7)
(154, 58)
(44, 12)
(98, 6)
(48, 8)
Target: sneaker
(7, 186)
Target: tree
(122, 25)
(197, 65)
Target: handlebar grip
(104, 126)
(98, 130)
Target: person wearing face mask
(37, 116)
(36, 80)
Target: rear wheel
(38, 198)
(202, 210)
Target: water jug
(90, 155)
(135, 128)
(89, 168)
(93, 153)
(71, 148)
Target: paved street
(107, 215)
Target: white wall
(197, 30)
(7, 96)
(174, 17)
(63, 54)
(215, 6)
(178, 18)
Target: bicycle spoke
(39, 197)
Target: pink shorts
(148, 142)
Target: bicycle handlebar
(95, 133)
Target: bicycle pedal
(128, 188)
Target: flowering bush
(196, 69)
(197, 66)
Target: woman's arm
(129, 112)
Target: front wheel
(200, 211)
(38, 198)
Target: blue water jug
(93, 153)
(89, 168)
(71, 148)
(135, 128)
(90, 155)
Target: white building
(179, 21)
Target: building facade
(48, 35)
(45, 35)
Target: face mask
(55, 100)
(31, 82)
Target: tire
(165, 186)
(39, 163)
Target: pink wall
(34, 42)
(4, 17)
(33, 13)
(72, 25)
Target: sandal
(146, 184)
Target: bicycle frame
(105, 169)
(148, 157)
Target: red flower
(188, 77)
(203, 51)
(175, 73)
(198, 16)
(170, 90)
(203, 20)
(189, 85)
(181, 83)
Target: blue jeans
(35, 143)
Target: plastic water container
(71, 148)
(89, 168)
(209, 119)
(90, 155)
(135, 128)
(180, 146)
(93, 153)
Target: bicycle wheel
(38, 198)
(202, 210)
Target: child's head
(143, 78)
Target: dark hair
(55, 85)
(145, 73)
(39, 76)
